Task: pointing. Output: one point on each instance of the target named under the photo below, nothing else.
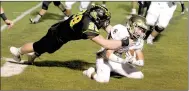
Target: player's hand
(138, 45)
(9, 23)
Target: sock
(182, 5)
(150, 37)
(37, 18)
(19, 51)
(133, 11)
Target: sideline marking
(11, 67)
(22, 15)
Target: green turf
(166, 65)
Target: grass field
(166, 62)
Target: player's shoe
(150, 41)
(31, 58)
(66, 17)
(15, 52)
(182, 12)
(104, 5)
(89, 72)
(33, 21)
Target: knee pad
(159, 29)
(45, 5)
(56, 3)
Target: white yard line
(11, 67)
(21, 16)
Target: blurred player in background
(112, 60)
(44, 8)
(104, 3)
(182, 7)
(142, 6)
(83, 25)
(83, 6)
(158, 16)
(5, 19)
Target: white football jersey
(120, 32)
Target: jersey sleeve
(119, 32)
(91, 30)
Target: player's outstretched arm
(108, 28)
(111, 44)
(7, 21)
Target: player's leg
(163, 21)
(141, 8)
(104, 3)
(60, 6)
(182, 6)
(102, 73)
(83, 5)
(133, 5)
(126, 70)
(147, 4)
(151, 19)
(42, 12)
(48, 43)
(68, 5)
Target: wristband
(125, 42)
(3, 16)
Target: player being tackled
(112, 61)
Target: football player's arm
(108, 28)
(110, 44)
(3, 16)
(139, 58)
(112, 57)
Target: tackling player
(112, 61)
(83, 25)
(158, 16)
(44, 9)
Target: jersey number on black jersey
(76, 18)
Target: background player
(44, 8)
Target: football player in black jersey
(83, 25)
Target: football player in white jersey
(68, 4)
(158, 16)
(112, 61)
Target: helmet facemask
(138, 32)
(137, 27)
(100, 15)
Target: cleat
(16, 55)
(149, 41)
(89, 72)
(31, 58)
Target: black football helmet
(99, 15)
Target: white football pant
(83, 5)
(160, 13)
(105, 67)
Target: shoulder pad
(118, 32)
